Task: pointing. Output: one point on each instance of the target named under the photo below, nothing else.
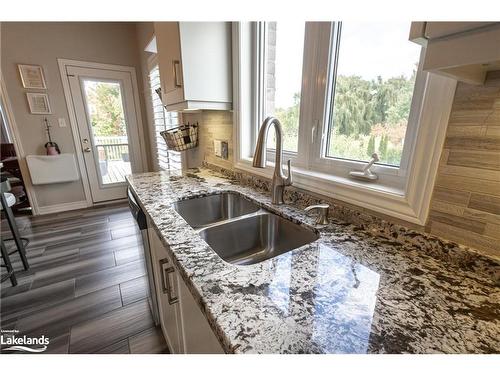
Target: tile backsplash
(465, 205)
(214, 125)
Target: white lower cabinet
(168, 303)
(184, 326)
(198, 337)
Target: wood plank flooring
(87, 287)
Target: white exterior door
(105, 111)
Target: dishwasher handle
(136, 210)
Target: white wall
(42, 43)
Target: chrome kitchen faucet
(259, 159)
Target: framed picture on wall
(38, 103)
(32, 76)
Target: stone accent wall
(465, 206)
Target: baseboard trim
(62, 207)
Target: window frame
(311, 153)
(408, 201)
(389, 175)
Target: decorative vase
(52, 150)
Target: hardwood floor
(87, 287)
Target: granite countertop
(348, 292)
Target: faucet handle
(288, 180)
(322, 212)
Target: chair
(12, 171)
(7, 200)
(10, 270)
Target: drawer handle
(163, 285)
(171, 300)
(165, 281)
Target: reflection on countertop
(348, 292)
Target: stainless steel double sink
(240, 231)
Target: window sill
(373, 196)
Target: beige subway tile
(492, 230)
(493, 130)
(457, 221)
(456, 197)
(481, 215)
(487, 245)
(477, 159)
(487, 203)
(448, 208)
(467, 184)
(473, 143)
(480, 174)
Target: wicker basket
(182, 137)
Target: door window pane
(374, 79)
(284, 51)
(109, 130)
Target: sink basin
(202, 211)
(256, 238)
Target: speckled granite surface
(348, 292)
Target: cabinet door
(198, 337)
(167, 294)
(184, 326)
(169, 61)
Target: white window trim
(316, 106)
(391, 176)
(410, 203)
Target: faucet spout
(280, 180)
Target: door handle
(87, 149)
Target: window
(363, 104)
(282, 49)
(362, 89)
(373, 69)
(162, 120)
(108, 129)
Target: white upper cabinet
(465, 51)
(435, 30)
(194, 59)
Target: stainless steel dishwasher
(142, 223)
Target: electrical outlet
(224, 150)
(62, 122)
(217, 148)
